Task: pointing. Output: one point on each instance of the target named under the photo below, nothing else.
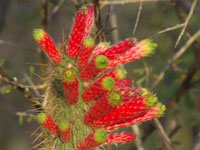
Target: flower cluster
(94, 83)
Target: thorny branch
(187, 21)
(22, 88)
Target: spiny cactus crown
(97, 97)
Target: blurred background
(180, 86)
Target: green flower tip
(100, 136)
(63, 126)
(69, 75)
(134, 40)
(149, 47)
(115, 99)
(121, 73)
(38, 34)
(88, 42)
(145, 91)
(108, 83)
(41, 118)
(101, 62)
(151, 100)
(161, 109)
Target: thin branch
(37, 93)
(22, 88)
(186, 83)
(172, 28)
(55, 9)
(179, 53)
(178, 69)
(186, 21)
(164, 136)
(128, 1)
(99, 33)
(113, 24)
(15, 45)
(138, 17)
(138, 140)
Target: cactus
(88, 95)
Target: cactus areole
(88, 95)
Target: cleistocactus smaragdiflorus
(88, 94)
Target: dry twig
(138, 17)
(138, 140)
(164, 136)
(172, 28)
(105, 2)
(22, 88)
(186, 21)
(55, 9)
(178, 54)
(113, 24)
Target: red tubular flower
(141, 49)
(89, 20)
(118, 138)
(99, 88)
(46, 121)
(105, 84)
(103, 106)
(130, 93)
(150, 114)
(94, 139)
(119, 48)
(125, 83)
(77, 33)
(130, 109)
(47, 44)
(94, 67)
(71, 86)
(64, 131)
(86, 50)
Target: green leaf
(5, 89)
